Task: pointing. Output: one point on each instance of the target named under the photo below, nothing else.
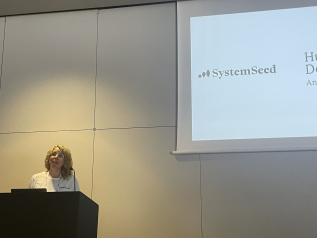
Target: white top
(44, 180)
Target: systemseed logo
(254, 70)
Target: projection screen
(247, 76)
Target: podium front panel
(51, 215)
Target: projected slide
(254, 75)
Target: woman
(58, 177)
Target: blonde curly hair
(68, 161)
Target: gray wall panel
(2, 28)
(137, 67)
(259, 194)
(48, 77)
(140, 187)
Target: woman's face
(57, 159)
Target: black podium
(49, 215)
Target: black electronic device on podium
(49, 215)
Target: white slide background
(261, 104)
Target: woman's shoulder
(39, 175)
